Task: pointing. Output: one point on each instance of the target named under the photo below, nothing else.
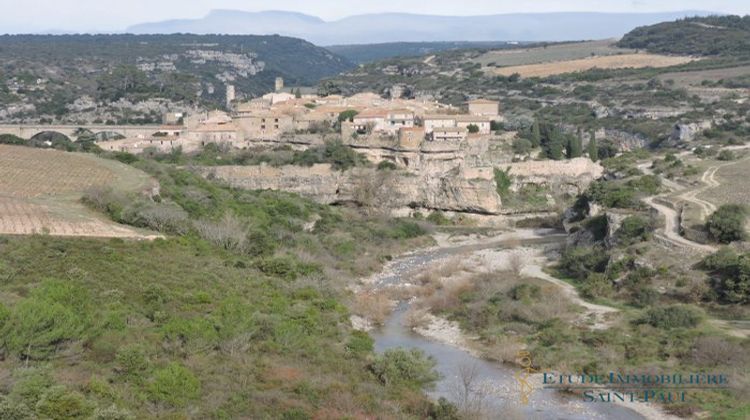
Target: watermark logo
(523, 358)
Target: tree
(521, 146)
(535, 135)
(297, 93)
(473, 128)
(727, 224)
(593, 148)
(348, 115)
(574, 148)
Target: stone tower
(279, 84)
(231, 95)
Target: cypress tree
(575, 146)
(593, 148)
(536, 134)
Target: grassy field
(632, 60)
(561, 52)
(40, 192)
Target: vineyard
(40, 192)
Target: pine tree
(297, 93)
(593, 148)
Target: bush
(11, 410)
(59, 403)
(131, 361)
(522, 146)
(634, 229)
(387, 165)
(54, 314)
(732, 284)
(673, 316)
(578, 262)
(404, 229)
(438, 218)
(405, 368)
(360, 343)
(727, 224)
(174, 385)
(503, 182)
(726, 155)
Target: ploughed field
(40, 192)
(570, 58)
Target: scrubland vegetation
(239, 312)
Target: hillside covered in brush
(43, 75)
(712, 35)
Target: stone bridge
(28, 131)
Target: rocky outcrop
(688, 131)
(472, 191)
(568, 176)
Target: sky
(29, 16)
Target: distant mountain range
(400, 27)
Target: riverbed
(494, 388)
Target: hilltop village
(281, 117)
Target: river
(495, 386)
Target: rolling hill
(44, 75)
(712, 35)
(402, 27)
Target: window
(276, 120)
(263, 127)
(276, 126)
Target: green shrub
(438, 218)
(285, 267)
(131, 361)
(647, 184)
(405, 229)
(360, 343)
(578, 262)
(503, 182)
(12, 410)
(174, 385)
(54, 314)
(405, 368)
(634, 229)
(732, 284)
(673, 316)
(726, 155)
(387, 165)
(60, 404)
(727, 223)
(596, 285)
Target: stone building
(484, 107)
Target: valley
(252, 226)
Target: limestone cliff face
(569, 176)
(455, 190)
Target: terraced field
(40, 192)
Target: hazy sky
(116, 15)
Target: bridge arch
(49, 138)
